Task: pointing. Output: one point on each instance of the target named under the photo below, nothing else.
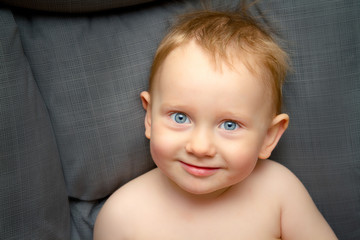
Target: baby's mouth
(199, 171)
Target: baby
(213, 117)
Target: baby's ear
(145, 99)
(277, 128)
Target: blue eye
(180, 118)
(229, 125)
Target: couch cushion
(90, 71)
(33, 197)
(322, 97)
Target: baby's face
(208, 125)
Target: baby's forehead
(241, 63)
(237, 63)
(232, 58)
(229, 57)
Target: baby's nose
(201, 144)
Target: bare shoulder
(274, 168)
(276, 178)
(300, 218)
(122, 207)
(283, 183)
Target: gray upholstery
(33, 197)
(71, 121)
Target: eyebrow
(168, 106)
(236, 115)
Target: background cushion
(90, 71)
(322, 97)
(33, 198)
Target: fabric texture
(90, 74)
(33, 197)
(322, 97)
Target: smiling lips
(199, 171)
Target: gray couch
(71, 121)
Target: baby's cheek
(162, 146)
(157, 150)
(242, 160)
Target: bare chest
(244, 222)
